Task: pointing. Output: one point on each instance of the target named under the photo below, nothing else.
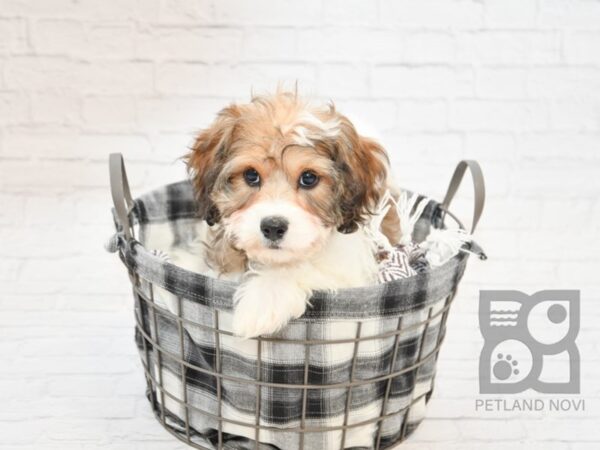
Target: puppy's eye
(252, 177)
(308, 179)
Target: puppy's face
(280, 176)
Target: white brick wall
(512, 83)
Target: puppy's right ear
(206, 159)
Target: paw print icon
(529, 342)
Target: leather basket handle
(121, 195)
(478, 188)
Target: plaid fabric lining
(166, 219)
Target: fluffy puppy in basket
(285, 187)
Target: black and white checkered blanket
(166, 220)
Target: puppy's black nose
(274, 227)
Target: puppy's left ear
(206, 159)
(363, 168)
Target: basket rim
(392, 297)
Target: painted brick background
(512, 83)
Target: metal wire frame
(151, 343)
(232, 378)
(301, 430)
(173, 397)
(184, 370)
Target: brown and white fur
(306, 173)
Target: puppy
(285, 187)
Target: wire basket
(356, 371)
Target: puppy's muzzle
(274, 228)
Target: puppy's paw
(265, 304)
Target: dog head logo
(529, 342)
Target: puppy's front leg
(266, 301)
